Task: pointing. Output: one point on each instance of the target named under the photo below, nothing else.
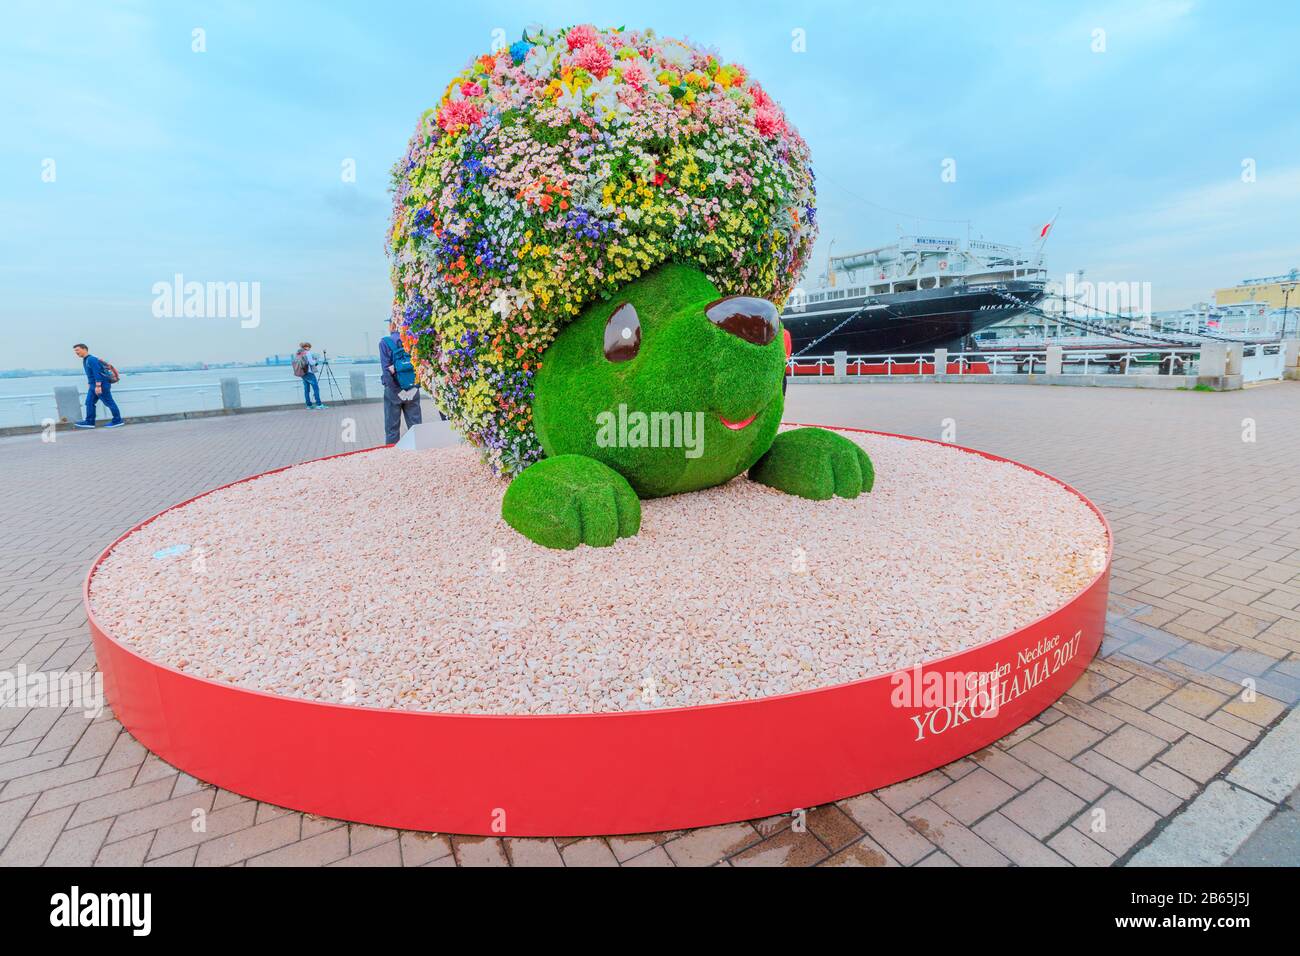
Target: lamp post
(1287, 288)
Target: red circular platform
(603, 773)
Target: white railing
(1105, 361)
(139, 400)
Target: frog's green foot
(814, 463)
(569, 500)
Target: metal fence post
(230, 399)
(67, 402)
(1055, 357)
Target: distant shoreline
(195, 367)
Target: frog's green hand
(569, 500)
(814, 463)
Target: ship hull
(904, 322)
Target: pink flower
(768, 120)
(457, 114)
(595, 59)
(634, 76)
(581, 36)
(760, 96)
(470, 88)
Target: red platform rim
(928, 662)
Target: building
(1274, 291)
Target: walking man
(401, 394)
(305, 363)
(99, 379)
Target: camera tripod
(326, 375)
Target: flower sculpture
(552, 173)
(591, 236)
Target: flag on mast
(1045, 230)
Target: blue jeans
(105, 396)
(394, 410)
(310, 385)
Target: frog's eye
(746, 317)
(623, 334)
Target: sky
(1166, 134)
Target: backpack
(300, 364)
(403, 369)
(110, 372)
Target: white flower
(571, 100)
(676, 54)
(541, 61)
(502, 302)
(605, 98)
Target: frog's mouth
(743, 423)
(737, 426)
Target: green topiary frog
(665, 388)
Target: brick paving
(1205, 595)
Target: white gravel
(388, 579)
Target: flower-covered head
(556, 170)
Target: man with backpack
(401, 393)
(305, 363)
(100, 377)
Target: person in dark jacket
(401, 393)
(100, 389)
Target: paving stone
(787, 848)
(1139, 788)
(962, 845)
(628, 846)
(242, 844)
(1074, 779)
(313, 851)
(79, 847)
(1116, 822)
(1043, 809)
(33, 839)
(833, 827)
(1080, 850)
(711, 844)
(865, 852)
(1261, 710)
(421, 848)
(1169, 779)
(909, 793)
(1197, 701)
(592, 851)
(130, 852)
(1018, 846)
(533, 851)
(385, 854)
(1195, 758)
(1001, 764)
(479, 851)
(654, 857)
(1130, 747)
(218, 823)
(973, 796)
(1067, 737)
(887, 828)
